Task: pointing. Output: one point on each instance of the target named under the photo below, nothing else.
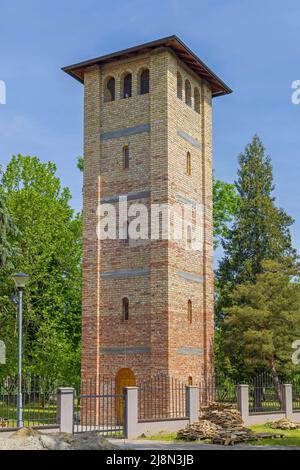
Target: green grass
(160, 436)
(169, 437)
(292, 437)
(31, 416)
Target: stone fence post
(243, 402)
(192, 403)
(130, 409)
(65, 409)
(287, 400)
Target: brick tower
(148, 303)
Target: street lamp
(20, 280)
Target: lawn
(35, 413)
(170, 437)
(160, 436)
(31, 416)
(292, 437)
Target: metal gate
(97, 408)
(264, 394)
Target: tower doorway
(124, 378)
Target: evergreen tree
(260, 231)
(263, 322)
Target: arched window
(127, 86)
(144, 82)
(189, 237)
(188, 93)
(190, 380)
(126, 233)
(197, 100)
(110, 90)
(126, 156)
(190, 311)
(188, 164)
(179, 86)
(125, 309)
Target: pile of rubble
(30, 439)
(220, 424)
(229, 437)
(284, 423)
(203, 429)
(222, 415)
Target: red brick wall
(159, 300)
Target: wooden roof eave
(175, 44)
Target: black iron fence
(161, 397)
(296, 395)
(226, 392)
(39, 402)
(265, 394)
(99, 406)
(221, 390)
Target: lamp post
(20, 280)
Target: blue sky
(252, 45)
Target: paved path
(163, 445)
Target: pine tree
(263, 321)
(261, 231)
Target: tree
(80, 163)
(264, 320)
(260, 231)
(8, 230)
(50, 247)
(226, 202)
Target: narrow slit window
(190, 380)
(188, 164)
(127, 86)
(126, 157)
(144, 82)
(197, 100)
(190, 311)
(110, 90)
(125, 309)
(126, 233)
(188, 93)
(179, 86)
(189, 237)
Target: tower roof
(174, 43)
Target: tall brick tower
(148, 303)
